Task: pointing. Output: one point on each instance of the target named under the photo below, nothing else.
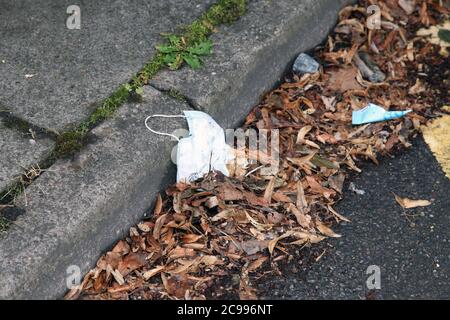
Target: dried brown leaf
(343, 79)
(158, 226)
(409, 203)
(326, 230)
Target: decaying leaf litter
(239, 228)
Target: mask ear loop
(163, 116)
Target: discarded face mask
(374, 113)
(204, 150)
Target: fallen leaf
(158, 205)
(273, 243)
(326, 230)
(269, 190)
(417, 88)
(254, 265)
(190, 238)
(131, 262)
(253, 199)
(122, 248)
(409, 203)
(301, 200)
(302, 219)
(254, 246)
(343, 79)
(150, 273)
(211, 260)
(280, 197)
(229, 193)
(158, 225)
(409, 6)
(316, 187)
(118, 277)
(337, 182)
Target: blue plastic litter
(374, 113)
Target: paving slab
(79, 208)
(414, 260)
(53, 76)
(251, 55)
(19, 152)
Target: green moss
(69, 143)
(176, 95)
(226, 11)
(4, 224)
(109, 106)
(149, 70)
(16, 123)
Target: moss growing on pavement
(108, 107)
(16, 123)
(4, 224)
(224, 11)
(176, 95)
(68, 143)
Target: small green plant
(178, 51)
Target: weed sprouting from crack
(177, 51)
(194, 43)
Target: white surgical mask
(204, 150)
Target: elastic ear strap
(163, 116)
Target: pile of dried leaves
(221, 227)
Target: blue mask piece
(374, 113)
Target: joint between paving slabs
(177, 95)
(14, 122)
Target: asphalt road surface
(412, 252)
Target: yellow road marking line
(437, 136)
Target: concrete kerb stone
(79, 208)
(251, 55)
